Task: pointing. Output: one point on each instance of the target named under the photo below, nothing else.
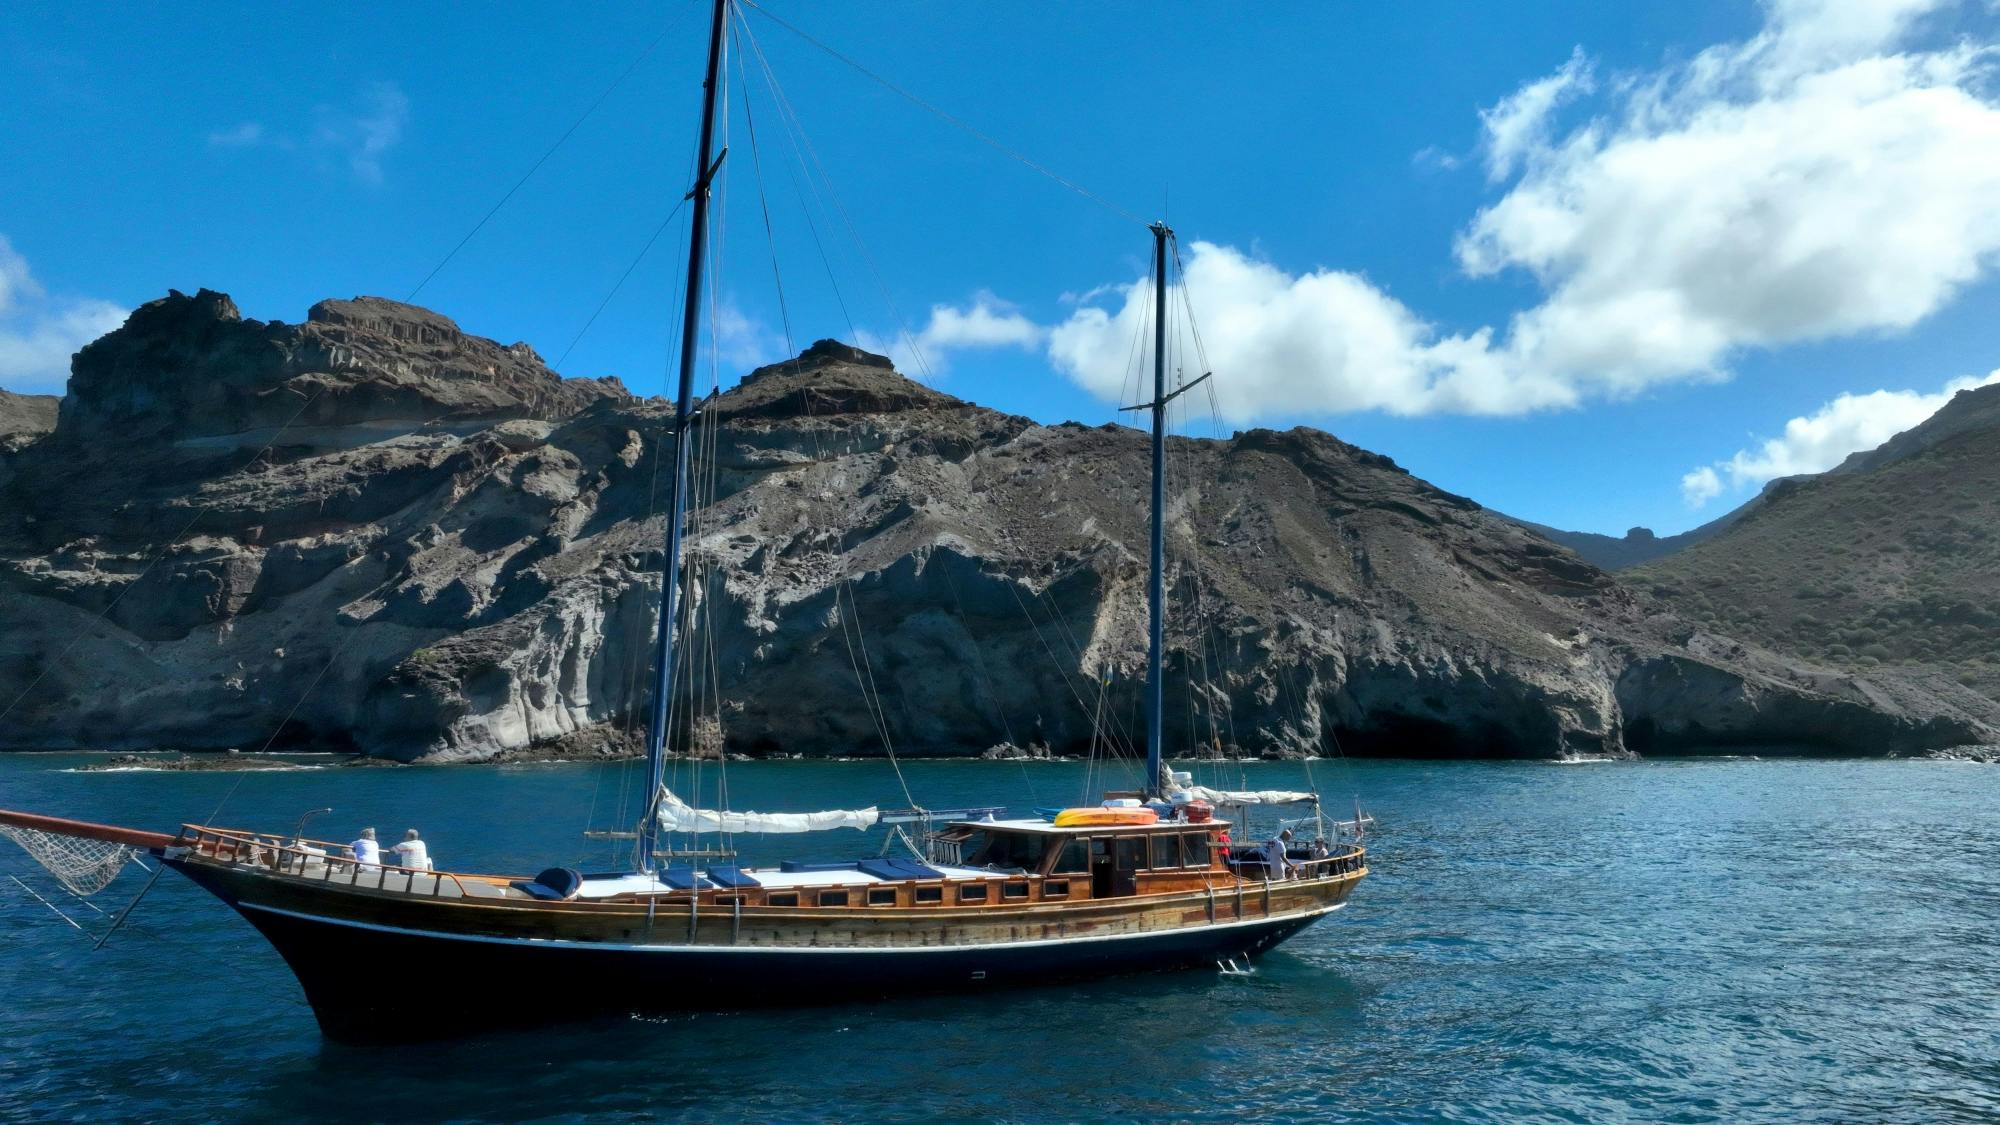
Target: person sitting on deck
(412, 852)
(1320, 850)
(367, 853)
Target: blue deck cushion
(558, 884)
(797, 865)
(682, 878)
(732, 877)
(894, 867)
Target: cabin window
(1055, 888)
(1194, 849)
(833, 898)
(972, 892)
(881, 896)
(1006, 851)
(929, 895)
(1075, 858)
(788, 898)
(729, 900)
(1166, 851)
(1014, 890)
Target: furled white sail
(1244, 796)
(677, 815)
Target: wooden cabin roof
(1044, 828)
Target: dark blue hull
(373, 983)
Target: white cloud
(1699, 486)
(1811, 182)
(1821, 179)
(247, 134)
(742, 342)
(1431, 158)
(1820, 440)
(366, 133)
(1519, 124)
(987, 322)
(1806, 35)
(1324, 341)
(39, 332)
(357, 137)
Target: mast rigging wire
(957, 122)
(867, 259)
(543, 159)
(616, 286)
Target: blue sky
(1595, 265)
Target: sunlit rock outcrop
(450, 552)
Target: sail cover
(677, 815)
(1244, 796)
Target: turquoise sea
(1680, 940)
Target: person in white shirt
(412, 852)
(367, 853)
(1276, 865)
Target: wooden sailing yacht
(1146, 881)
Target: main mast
(664, 664)
(1156, 585)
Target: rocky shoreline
(376, 532)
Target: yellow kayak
(1104, 818)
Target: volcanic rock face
(25, 419)
(453, 554)
(1884, 566)
(192, 371)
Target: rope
(83, 865)
(924, 371)
(855, 641)
(947, 117)
(763, 200)
(543, 159)
(805, 208)
(620, 284)
(314, 397)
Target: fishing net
(84, 866)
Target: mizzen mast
(683, 421)
(1156, 585)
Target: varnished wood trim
(109, 833)
(899, 950)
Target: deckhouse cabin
(1097, 861)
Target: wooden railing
(1345, 860)
(300, 857)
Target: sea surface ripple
(1684, 940)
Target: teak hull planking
(368, 956)
(364, 979)
(359, 953)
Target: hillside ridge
(454, 554)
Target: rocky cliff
(372, 530)
(1637, 546)
(1883, 567)
(25, 419)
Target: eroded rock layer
(372, 530)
